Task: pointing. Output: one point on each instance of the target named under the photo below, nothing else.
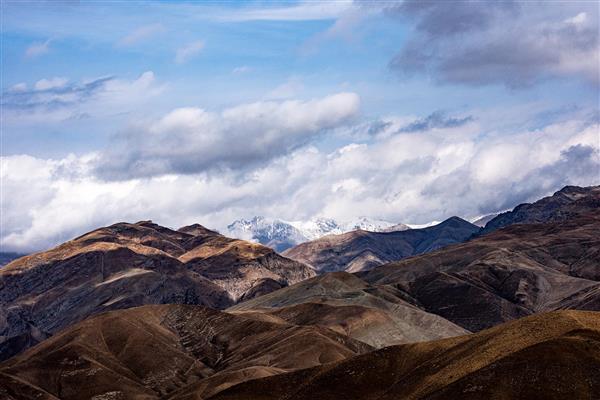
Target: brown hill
(152, 352)
(346, 304)
(127, 265)
(362, 250)
(510, 273)
(547, 356)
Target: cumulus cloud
(58, 99)
(190, 140)
(188, 51)
(140, 34)
(511, 43)
(411, 177)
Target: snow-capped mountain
(281, 235)
(275, 233)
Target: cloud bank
(413, 176)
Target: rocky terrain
(346, 304)
(552, 356)
(128, 265)
(513, 272)
(363, 250)
(567, 202)
(159, 351)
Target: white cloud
(38, 49)
(188, 51)
(578, 20)
(44, 84)
(402, 177)
(56, 99)
(189, 140)
(293, 87)
(18, 87)
(303, 11)
(241, 70)
(142, 33)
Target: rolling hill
(553, 356)
(153, 352)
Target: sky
(208, 112)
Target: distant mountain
(362, 250)
(569, 201)
(481, 221)
(281, 235)
(7, 257)
(512, 272)
(277, 234)
(127, 265)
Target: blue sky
(404, 110)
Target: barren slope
(344, 303)
(562, 205)
(151, 352)
(127, 265)
(547, 356)
(510, 273)
(362, 250)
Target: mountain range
(360, 250)
(281, 235)
(139, 311)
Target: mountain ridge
(281, 235)
(126, 265)
(362, 250)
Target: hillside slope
(562, 205)
(346, 304)
(553, 356)
(151, 352)
(510, 273)
(127, 265)
(363, 250)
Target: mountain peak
(281, 235)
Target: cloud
(402, 177)
(241, 70)
(344, 27)
(290, 88)
(435, 120)
(53, 83)
(18, 87)
(515, 44)
(188, 51)
(302, 11)
(140, 34)
(58, 99)
(191, 140)
(37, 49)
